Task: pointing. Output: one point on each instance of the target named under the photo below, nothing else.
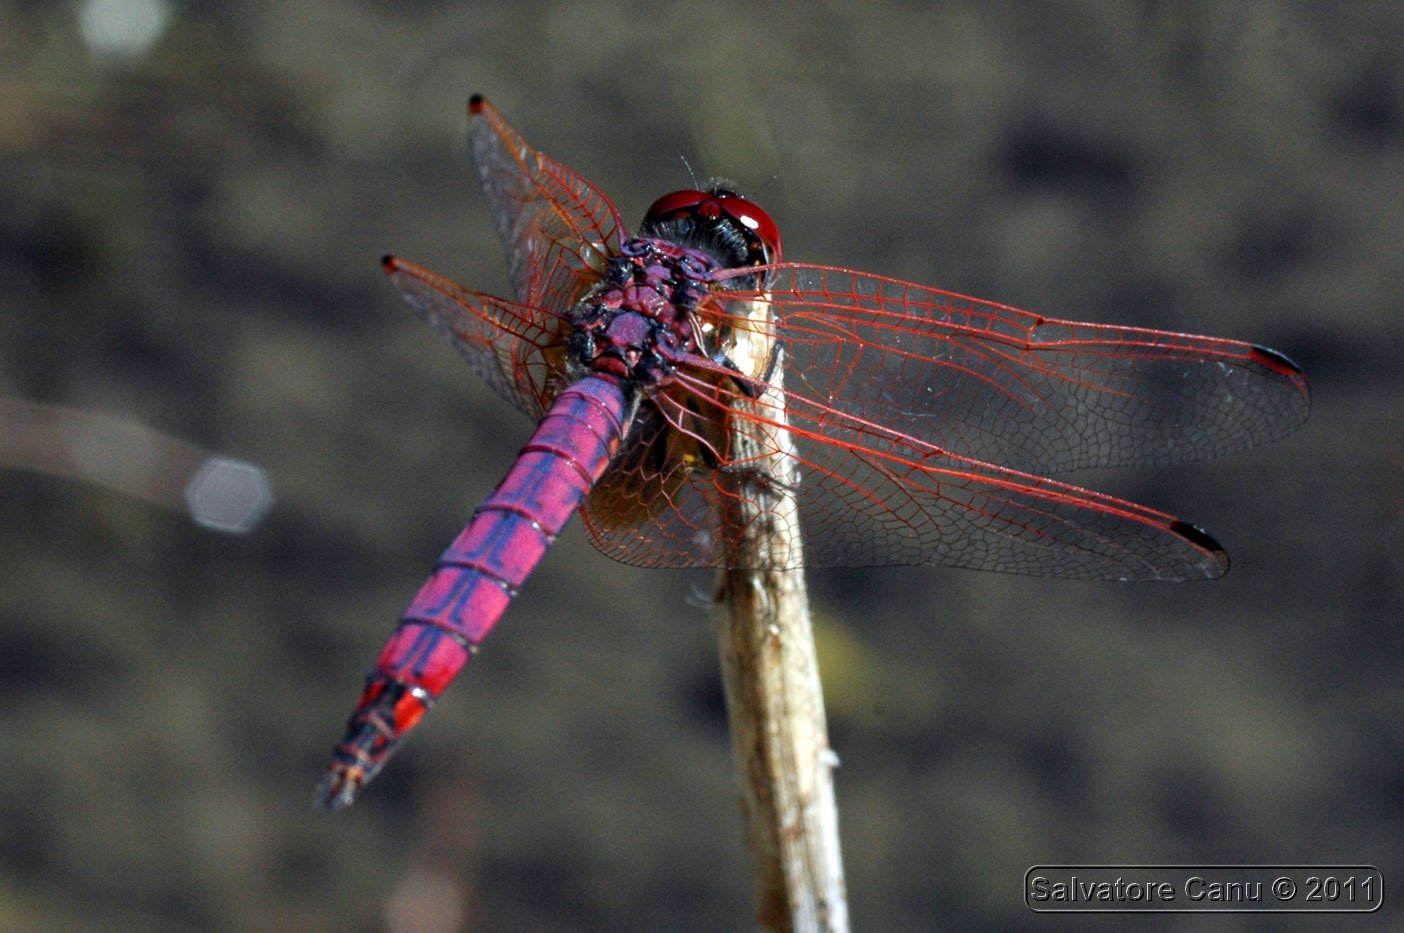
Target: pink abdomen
(478, 575)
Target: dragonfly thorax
(639, 322)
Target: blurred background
(193, 200)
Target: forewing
(509, 345)
(557, 229)
(996, 384)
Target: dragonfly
(917, 424)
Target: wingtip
(1284, 366)
(1215, 562)
(1277, 361)
(476, 104)
(389, 263)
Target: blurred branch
(217, 492)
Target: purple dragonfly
(916, 421)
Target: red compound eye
(761, 233)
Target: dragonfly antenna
(690, 173)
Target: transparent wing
(868, 495)
(513, 347)
(557, 229)
(993, 383)
(918, 419)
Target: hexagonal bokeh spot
(229, 495)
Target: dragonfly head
(717, 220)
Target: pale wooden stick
(771, 674)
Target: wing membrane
(509, 345)
(556, 228)
(993, 383)
(869, 496)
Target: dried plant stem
(781, 745)
(774, 699)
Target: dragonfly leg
(752, 477)
(750, 386)
(759, 481)
(777, 350)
